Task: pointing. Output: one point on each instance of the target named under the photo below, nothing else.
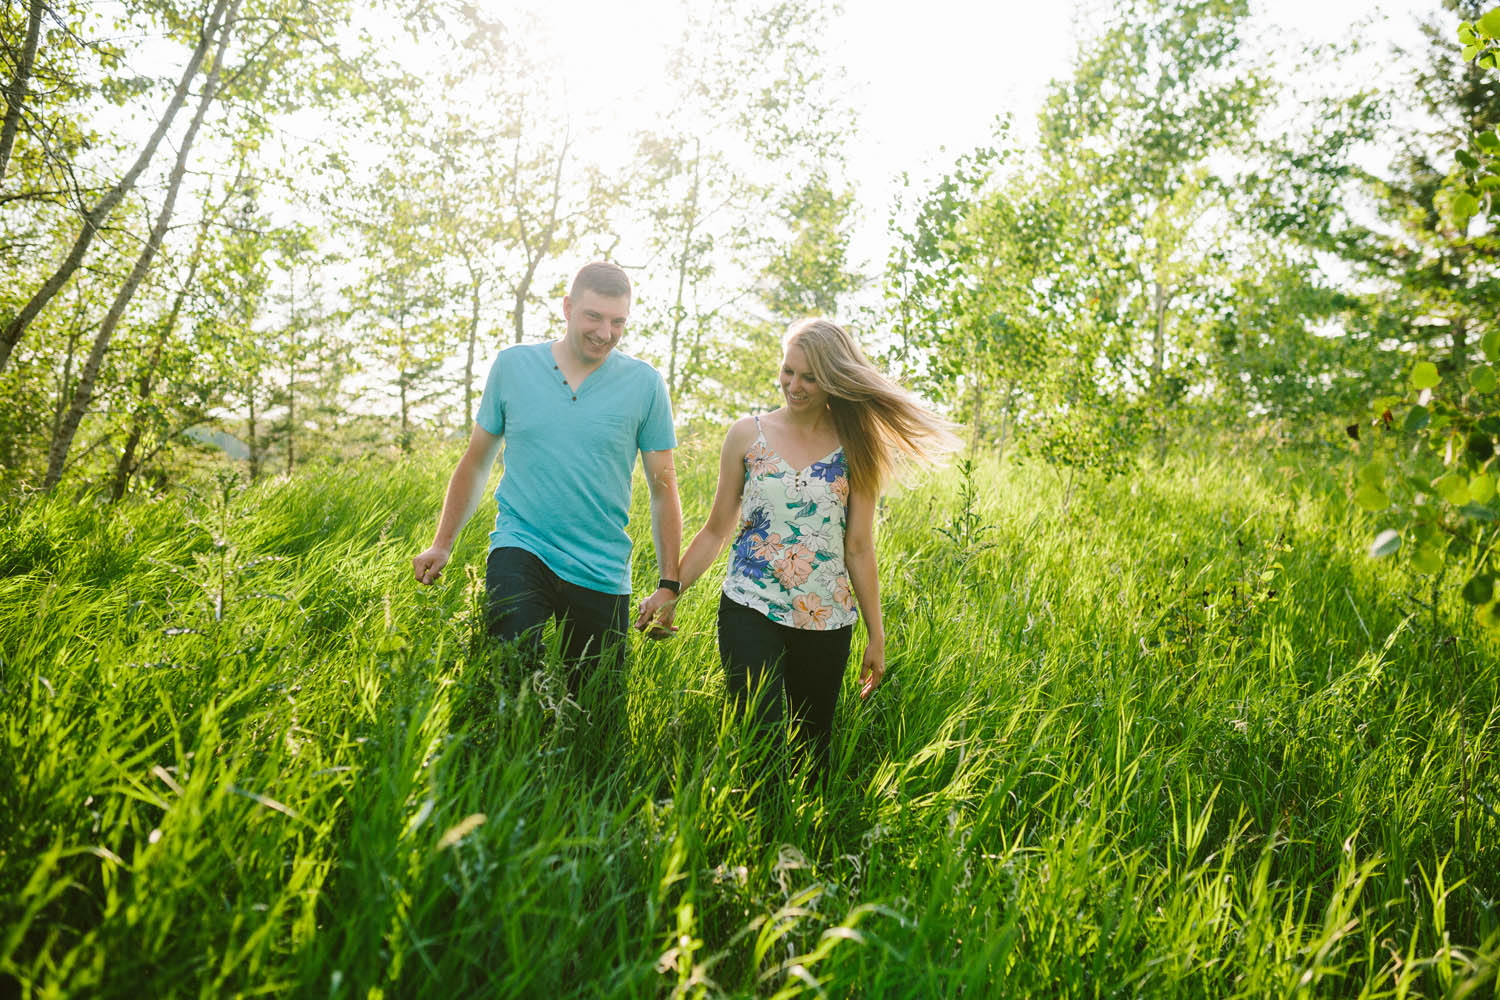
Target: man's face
(594, 324)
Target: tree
(62, 441)
(1440, 494)
(208, 30)
(750, 124)
(1157, 98)
(20, 83)
(145, 413)
(811, 271)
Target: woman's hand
(872, 672)
(654, 616)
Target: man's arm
(465, 491)
(666, 523)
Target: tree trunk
(976, 376)
(291, 375)
(474, 301)
(1007, 407)
(678, 310)
(403, 377)
(96, 216)
(126, 467)
(468, 360)
(65, 380)
(63, 441)
(535, 256)
(1459, 352)
(252, 440)
(1158, 336)
(15, 94)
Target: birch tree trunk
(96, 216)
(535, 254)
(678, 310)
(127, 465)
(63, 441)
(15, 94)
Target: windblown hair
(880, 425)
(602, 278)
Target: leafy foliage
(1439, 482)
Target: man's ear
(567, 307)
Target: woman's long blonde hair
(879, 424)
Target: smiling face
(798, 384)
(594, 325)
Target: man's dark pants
(523, 593)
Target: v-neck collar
(761, 431)
(588, 377)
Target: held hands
(656, 613)
(872, 671)
(428, 566)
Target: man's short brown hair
(602, 278)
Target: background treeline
(283, 230)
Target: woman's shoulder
(741, 433)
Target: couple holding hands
(795, 498)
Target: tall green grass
(1177, 737)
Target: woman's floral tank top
(788, 561)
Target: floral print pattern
(788, 560)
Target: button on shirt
(564, 495)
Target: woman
(800, 484)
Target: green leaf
(1427, 560)
(1488, 615)
(1371, 497)
(1416, 419)
(1488, 141)
(1466, 32)
(1466, 158)
(1480, 589)
(1478, 512)
(1373, 474)
(1489, 24)
(1482, 378)
(1469, 52)
(1453, 488)
(1385, 543)
(1465, 205)
(1491, 344)
(1482, 488)
(1428, 533)
(1424, 375)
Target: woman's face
(798, 384)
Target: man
(572, 414)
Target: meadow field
(1177, 736)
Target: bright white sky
(926, 78)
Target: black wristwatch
(673, 585)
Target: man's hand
(655, 615)
(428, 566)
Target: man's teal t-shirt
(565, 493)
